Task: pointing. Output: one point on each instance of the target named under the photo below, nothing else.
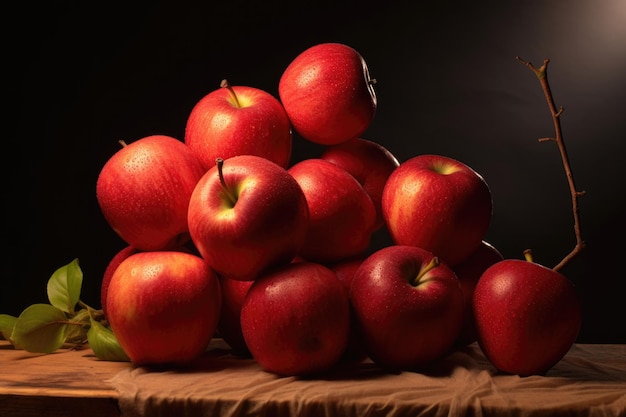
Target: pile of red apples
(227, 237)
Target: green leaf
(64, 287)
(40, 328)
(104, 344)
(7, 323)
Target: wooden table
(64, 383)
(589, 381)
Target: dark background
(80, 78)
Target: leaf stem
(542, 75)
(85, 305)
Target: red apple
(143, 191)
(239, 120)
(295, 320)
(468, 272)
(112, 266)
(345, 271)
(342, 214)
(527, 316)
(229, 326)
(247, 216)
(439, 204)
(369, 162)
(328, 93)
(408, 307)
(163, 307)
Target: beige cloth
(589, 381)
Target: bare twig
(542, 75)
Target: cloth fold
(590, 380)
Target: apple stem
(432, 264)
(122, 142)
(528, 255)
(220, 163)
(226, 84)
(542, 75)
